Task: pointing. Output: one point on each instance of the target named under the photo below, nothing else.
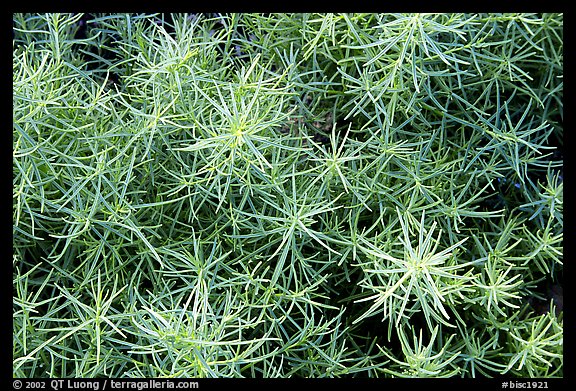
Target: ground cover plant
(287, 195)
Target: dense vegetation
(287, 195)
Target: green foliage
(287, 195)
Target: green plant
(287, 195)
